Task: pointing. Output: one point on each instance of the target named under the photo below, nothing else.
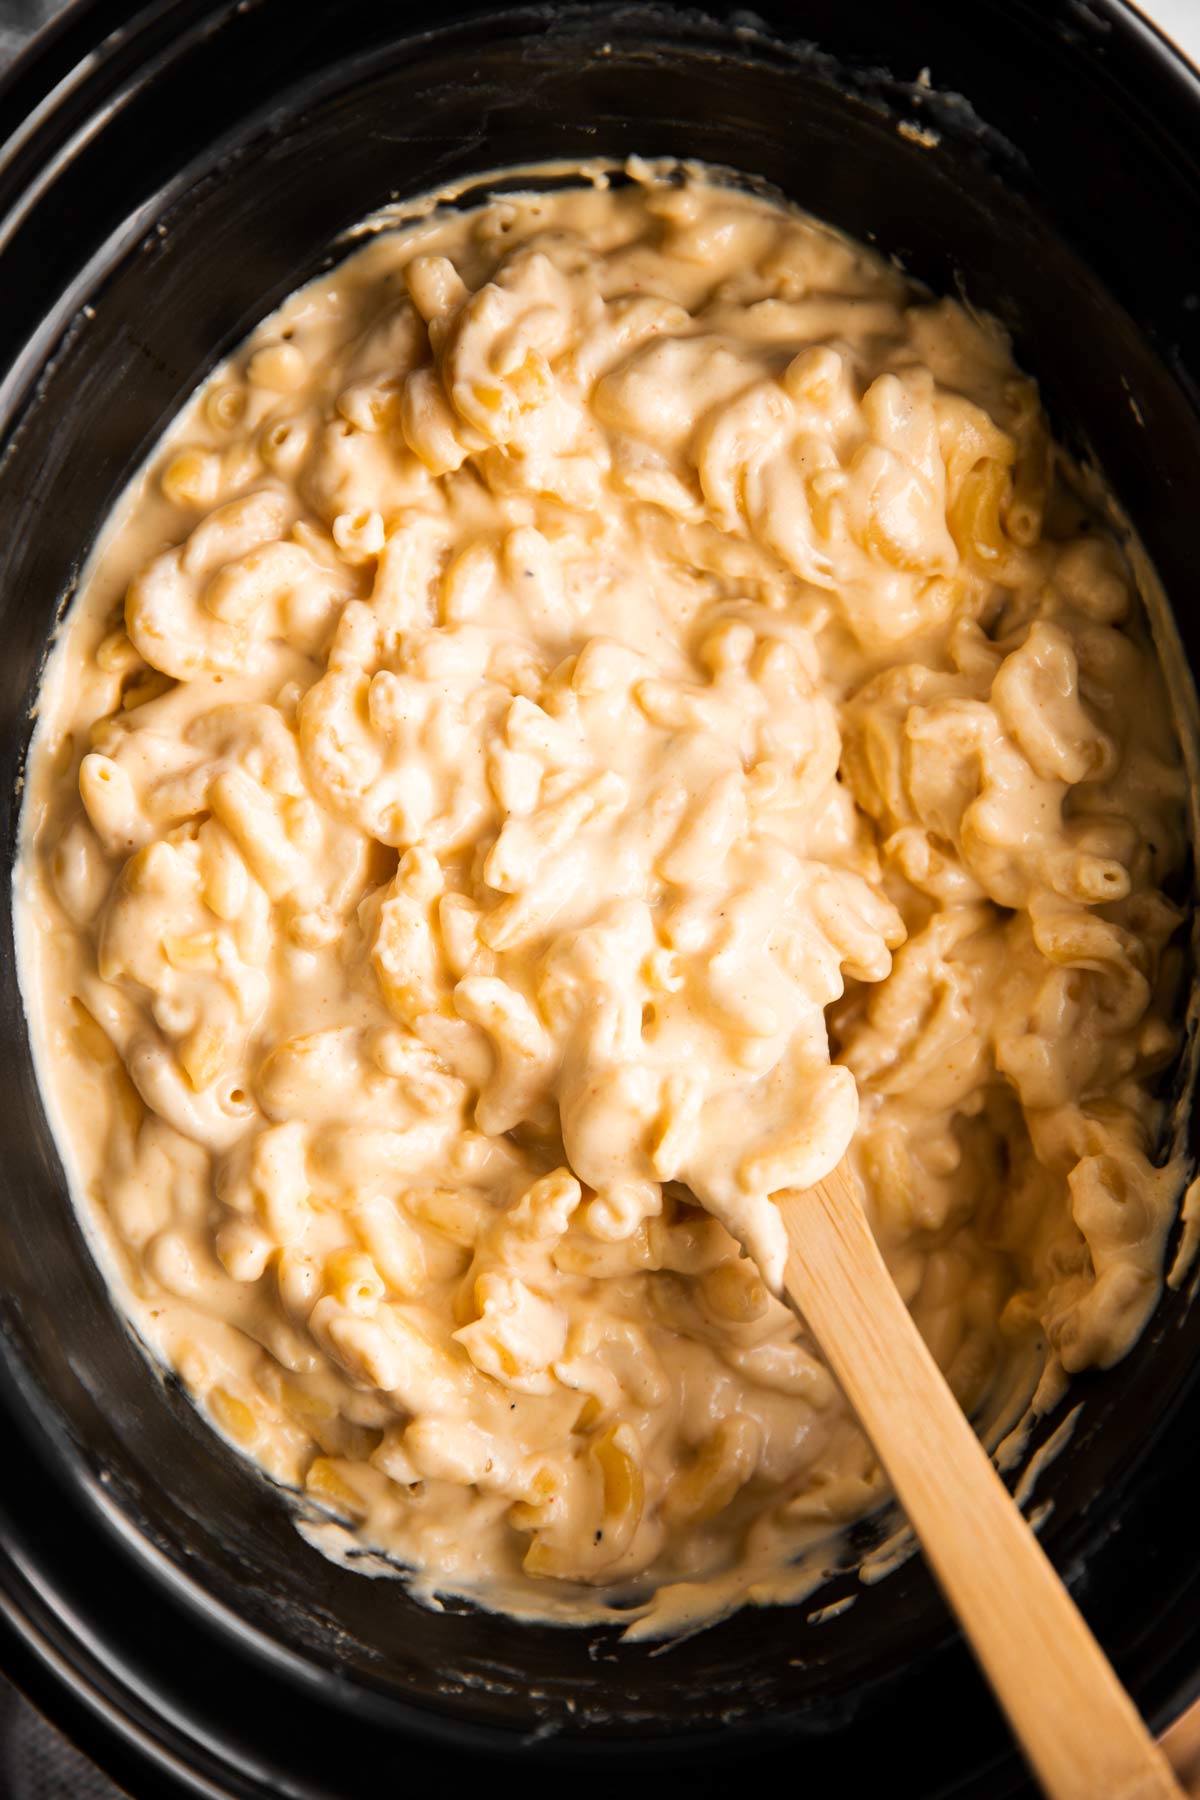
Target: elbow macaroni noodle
(603, 704)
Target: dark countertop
(19, 19)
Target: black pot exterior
(171, 172)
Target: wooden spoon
(1074, 1720)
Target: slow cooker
(169, 172)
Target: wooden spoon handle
(1076, 1723)
(1180, 1743)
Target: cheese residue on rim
(605, 703)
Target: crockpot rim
(62, 65)
(42, 56)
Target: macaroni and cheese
(604, 704)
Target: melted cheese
(604, 704)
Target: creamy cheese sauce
(603, 705)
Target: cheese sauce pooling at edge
(581, 668)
